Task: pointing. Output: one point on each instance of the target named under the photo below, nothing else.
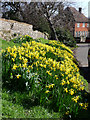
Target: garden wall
(8, 28)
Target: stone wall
(10, 27)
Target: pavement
(81, 54)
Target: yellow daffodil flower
(66, 90)
(47, 91)
(18, 76)
(14, 67)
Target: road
(82, 57)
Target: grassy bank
(48, 86)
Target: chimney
(80, 9)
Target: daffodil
(47, 91)
(24, 65)
(75, 99)
(63, 82)
(67, 113)
(18, 76)
(8, 49)
(71, 91)
(14, 67)
(13, 59)
(81, 104)
(25, 61)
(50, 86)
(66, 90)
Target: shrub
(66, 37)
(46, 71)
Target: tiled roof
(79, 17)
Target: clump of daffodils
(49, 70)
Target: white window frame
(83, 25)
(78, 25)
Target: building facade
(81, 26)
(82, 29)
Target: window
(83, 33)
(87, 24)
(83, 24)
(79, 34)
(78, 24)
(86, 33)
(76, 34)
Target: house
(79, 24)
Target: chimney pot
(80, 9)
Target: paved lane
(82, 54)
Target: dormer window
(78, 24)
(83, 24)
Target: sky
(84, 5)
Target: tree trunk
(53, 35)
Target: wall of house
(10, 27)
(83, 30)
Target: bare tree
(48, 10)
(39, 14)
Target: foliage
(48, 73)
(14, 106)
(42, 40)
(85, 83)
(66, 37)
(22, 39)
(5, 44)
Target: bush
(48, 73)
(66, 37)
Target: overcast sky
(79, 3)
(84, 5)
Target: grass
(42, 40)
(16, 111)
(6, 44)
(17, 105)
